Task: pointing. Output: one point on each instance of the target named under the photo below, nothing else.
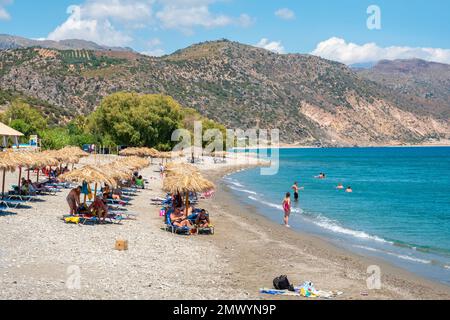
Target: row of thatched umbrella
(184, 179)
(140, 152)
(11, 160)
(109, 174)
(155, 154)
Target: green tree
(191, 116)
(24, 118)
(137, 120)
(55, 138)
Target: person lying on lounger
(99, 209)
(202, 220)
(117, 194)
(179, 219)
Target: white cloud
(154, 53)
(121, 10)
(82, 26)
(154, 48)
(112, 22)
(285, 13)
(274, 46)
(4, 15)
(349, 53)
(154, 42)
(184, 15)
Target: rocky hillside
(311, 100)
(426, 85)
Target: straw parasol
(24, 159)
(128, 152)
(74, 151)
(89, 175)
(166, 155)
(186, 183)
(8, 162)
(116, 172)
(133, 163)
(180, 169)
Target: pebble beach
(40, 255)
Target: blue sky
(333, 29)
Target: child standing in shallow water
(287, 209)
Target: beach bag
(282, 283)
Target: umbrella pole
(37, 178)
(20, 177)
(3, 185)
(187, 202)
(28, 175)
(95, 190)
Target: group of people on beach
(180, 218)
(98, 207)
(27, 187)
(287, 204)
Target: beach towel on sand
(75, 220)
(307, 290)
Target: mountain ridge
(17, 42)
(312, 101)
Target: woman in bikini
(179, 219)
(287, 209)
(202, 220)
(99, 209)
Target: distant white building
(8, 134)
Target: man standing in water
(287, 209)
(296, 189)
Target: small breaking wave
(243, 190)
(400, 256)
(334, 227)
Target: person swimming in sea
(340, 186)
(321, 176)
(287, 209)
(349, 190)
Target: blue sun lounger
(174, 229)
(23, 198)
(12, 204)
(204, 231)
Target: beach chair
(129, 194)
(132, 190)
(23, 198)
(126, 215)
(201, 231)
(12, 204)
(117, 202)
(174, 229)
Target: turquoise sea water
(399, 210)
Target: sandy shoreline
(39, 253)
(270, 250)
